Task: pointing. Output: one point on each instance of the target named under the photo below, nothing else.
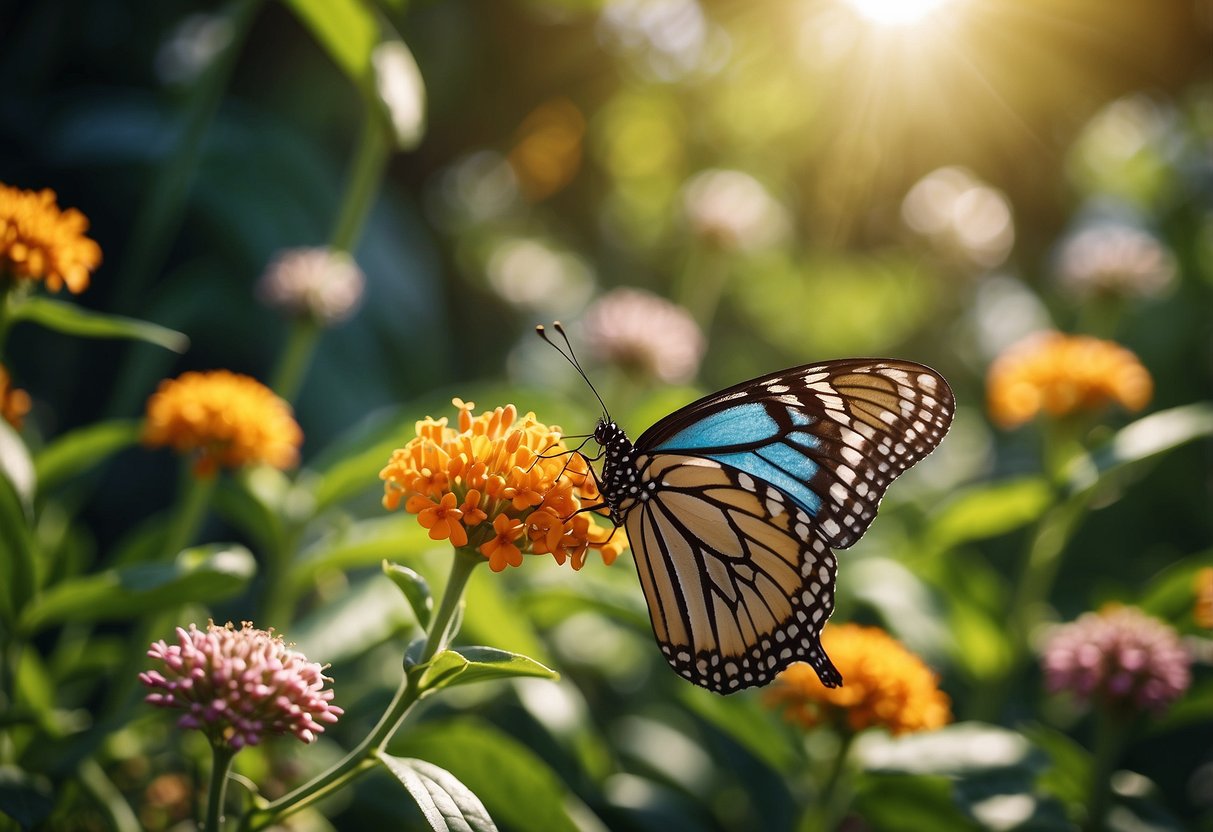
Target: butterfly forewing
(831, 436)
(737, 582)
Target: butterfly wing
(830, 436)
(738, 581)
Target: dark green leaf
(749, 723)
(516, 786)
(17, 467)
(989, 510)
(25, 799)
(81, 449)
(1147, 437)
(18, 555)
(345, 28)
(74, 320)
(201, 575)
(1171, 594)
(904, 802)
(466, 665)
(415, 589)
(447, 804)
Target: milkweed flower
(227, 419)
(321, 284)
(238, 686)
(38, 241)
(1120, 656)
(1115, 260)
(14, 403)
(502, 484)
(1203, 610)
(1063, 374)
(884, 685)
(732, 211)
(646, 334)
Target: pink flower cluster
(239, 685)
(1121, 656)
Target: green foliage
(71, 319)
(447, 804)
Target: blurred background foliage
(809, 181)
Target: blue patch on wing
(784, 463)
(737, 425)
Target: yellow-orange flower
(227, 419)
(14, 403)
(40, 242)
(502, 484)
(1062, 374)
(884, 685)
(1203, 611)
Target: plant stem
(825, 814)
(363, 757)
(702, 283)
(222, 762)
(295, 359)
(1111, 730)
(191, 510)
(366, 170)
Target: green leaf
(17, 467)
(347, 30)
(515, 784)
(79, 450)
(466, 665)
(25, 799)
(987, 511)
(200, 575)
(894, 802)
(749, 723)
(74, 320)
(18, 555)
(447, 804)
(416, 590)
(1171, 594)
(1147, 437)
(369, 613)
(365, 543)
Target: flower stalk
(191, 511)
(825, 814)
(221, 764)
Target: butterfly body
(733, 504)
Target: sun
(896, 12)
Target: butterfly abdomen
(621, 483)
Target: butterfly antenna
(571, 357)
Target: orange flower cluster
(884, 685)
(1203, 610)
(502, 485)
(1061, 374)
(40, 242)
(228, 419)
(14, 403)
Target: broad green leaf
(243, 509)
(515, 784)
(360, 544)
(415, 589)
(447, 804)
(17, 467)
(750, 724)
(900, 802)
(492, 615)
(989, 511)
(79, 450)
(1068, 773)
(201, 575)
(466, 665)
(75, 320)
(347, 30)
(18, 555)
(1171, 594)
(1147, 437)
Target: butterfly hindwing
(831, 436)
(737, 580)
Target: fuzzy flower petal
(316, 283)
(239, 686)
(38, 241)
(884, 685)
(645, 335)
(1119, 655)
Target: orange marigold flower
(14, 403)
(1062, 374)
(1203, 611)
(227, 419)
(502, 484)
(40, 242)
(884, 685)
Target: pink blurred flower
(1119, 655)
(319, 283)
(239, 685)
(1115, 260)
(645, 333)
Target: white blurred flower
(1115, 260)
(645, 333)
(732, 210)
(961, 214)
(318, 283)
(191, 47)
(528, 272)
(402, 91)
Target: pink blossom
(239, 685)
(645, 333)
(1120, 655)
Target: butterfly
(734, 504)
